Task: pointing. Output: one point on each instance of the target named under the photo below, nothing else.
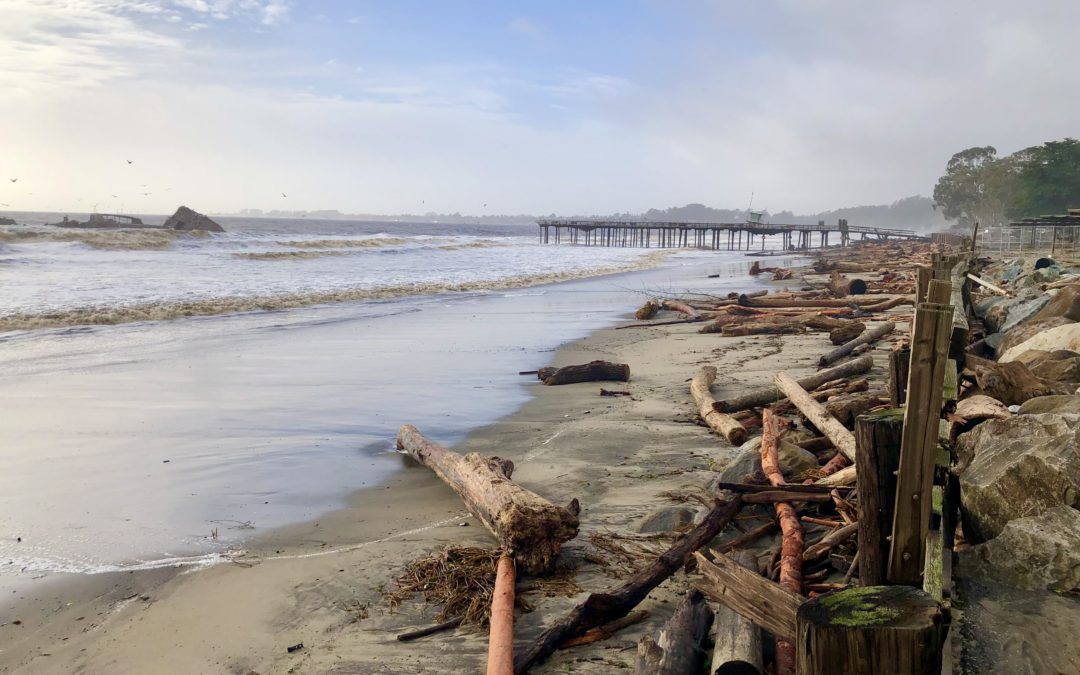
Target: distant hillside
(913, 213)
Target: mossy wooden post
(877, 458)
(877, 630)
(929, 352)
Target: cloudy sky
(558, 106)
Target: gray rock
(1066, 303)
(1051, 404)
(1037, 552)
(1016, 468)
(1028, 333)
(669, 519)
(188, 220)
(793, 461)
(1022, 311)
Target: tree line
(979, 186)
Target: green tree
(962, 192)
(1047, 179)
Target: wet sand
(320, 583)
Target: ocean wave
(178, 309)
(115, 240)
(285, 255)
(484, 243)
(374, 242)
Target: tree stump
(876, 630)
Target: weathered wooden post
(899, 362)
(876, 630)
(929, 355)
(922, 283)
(877, 457)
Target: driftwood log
(600, 608)
(593, 371)
(606, 630)
(648, 310)
(763, 397)
(817, 415)
(791, 532)
(867, 336)
(842, 286)
(501, 628)
(848, 331)
(680, 646)
(737, 649)
(682, 308)
(723, 424)
(528, 527)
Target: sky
(485, 107)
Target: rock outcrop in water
(186, 219)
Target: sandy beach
(321, 583)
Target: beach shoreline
(321, 582)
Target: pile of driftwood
(815, 596)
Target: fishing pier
(715, 236)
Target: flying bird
(116, 196)
(284, 195)
(14, 180)
(129, 161)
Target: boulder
(1013, 383)
(1066, 303)
(1065, 336)
(1022, 334)
(1036, 552)
(1015, 468)
(1051, 404)
(747, 464)
(1022, 311)
(980, 407)
(1061, 365)
(187, 220)
(669, 519)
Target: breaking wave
(375, 242)
(285, 255)
(167, 310)
(485, 243)
(114, 240)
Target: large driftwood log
(648, 310)
(737, 649)
(763, 397)
(600, 608)
(725, 425)
(816, 413)
(763, 328)
(593, 371)
(529, 527)
(868, 336)
(682, 308)
(841, 286)
(680, 646)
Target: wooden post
(878, 630)
(929, 354)
(922, 284)
(877, 437)
(899, 360)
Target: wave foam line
(178, 309)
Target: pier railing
(715, 236)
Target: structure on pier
(715, 236)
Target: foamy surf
(167, 310)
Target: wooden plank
(932, 570)
(983, 282)
(929, 349)
(750, 595)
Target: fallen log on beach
(841, 286)
(600, 608)
(648, 310)
(680, 646)
(763, 397)
(681, 308)
(791, 532)
(528, 527)
(593, 371)
(869, 335)
(725, 425)
(501, 627)
(737, 649)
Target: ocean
(165, 396)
